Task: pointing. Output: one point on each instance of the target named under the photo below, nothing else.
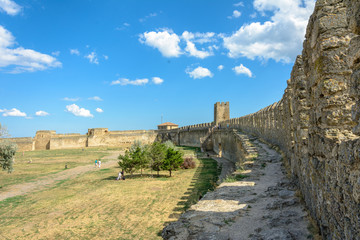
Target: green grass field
(48, 162)
(96, 206)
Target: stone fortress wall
(96, 137)
(316, 123)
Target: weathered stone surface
(317, 122)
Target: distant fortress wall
(23, 143)
(96, 137)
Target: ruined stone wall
(228, 143)
(122, 138)
(23, 144)
(42, 139)
(196, 135)
(316, 123)
(63, 141)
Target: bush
(188, 163)
(7, 152)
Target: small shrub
(188, 163)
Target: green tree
(173, 160)
(3, 131)
(126, 163)
(134, 159)
(169, 144)
(7, 152)
(156, 155)
(139, 157)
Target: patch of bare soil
(49, 181)
(263, 205)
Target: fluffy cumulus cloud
(242, 70)
(201, 38)
(77, 111)
(99, 110)
(95, 98)
(157, 80)
(220, 67)
(169, 43)
(236, 14)
(92, 58)
(9, 7)
(125, 81)
(280, 38)
(41, 113)
(12, 113)
(19, 59)
(165, 41)
(199, 72)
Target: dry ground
(257, 202)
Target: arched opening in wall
(220, 150)
(47, 147)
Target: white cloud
(123, 27)
(71, 99)
(106, 57)
(157, 80)
(77, 111)
(92, 58)
(99, 110)
(242, 70)
(12, 113)
(22, 60)
(74, 52)
(253, 15)
(239, 4)
(236, 14)
(56, 53)
(191, 49)
(147, 17)
(220, 67)
(166, 42)
(95, 98)
(124, 82)
(41, 113)
(201, 38)
(280, 38)
(10, 7)
(199, 72)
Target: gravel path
(48, 181)
(261, 206)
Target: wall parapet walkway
(317, 121)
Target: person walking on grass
(119, 176)
(96, 163)
(99, 162)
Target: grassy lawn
(96, 206)
(48, 162)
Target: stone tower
(221, 112)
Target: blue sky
(73, 65)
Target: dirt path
(48, 181)
(262, 206)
